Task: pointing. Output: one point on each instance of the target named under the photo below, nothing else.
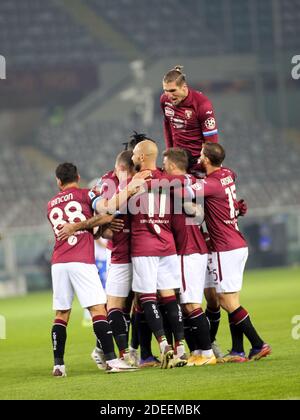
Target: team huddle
(173, 238)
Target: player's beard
(137, 167)
(202, 166)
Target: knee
(187, 308)
(229, 302)
(64, 315)
(97, 310)
(115, 302)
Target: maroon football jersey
(151, 213)
(220, 206)
(188, 237)
(70, 206)
(120, 244)
(189, 124)
(107, 186)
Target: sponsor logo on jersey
(208, 112)
(198, 186)
(176, 125)
(169, 112)
(188, 113)
(72, 240)
(157, 229)
(210, 123)
(178, 120)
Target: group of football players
(173, 236)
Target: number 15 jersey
(70, 206)
(220, 205)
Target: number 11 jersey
(151, 213)
(70, 206)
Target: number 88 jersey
(70, 206)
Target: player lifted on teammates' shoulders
(189, 122)
(189, 117)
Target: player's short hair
(125, 158)
(136, 138)
(175, 75)
(214, 152)
(67, 173)
(178, 156)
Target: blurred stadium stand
(267, 167)
(36, 34)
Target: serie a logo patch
(210, 123)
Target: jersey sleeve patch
(210, 133)
(91, 194)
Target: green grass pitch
(271, 296)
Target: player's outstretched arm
(68, 229)
(119, 200)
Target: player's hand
(116, 225)
(207, 241)
(242, 208)
(137, 182)
(67, 230)
(195, 211)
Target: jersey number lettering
(231, 194)
(71, 212)
(162, 204)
